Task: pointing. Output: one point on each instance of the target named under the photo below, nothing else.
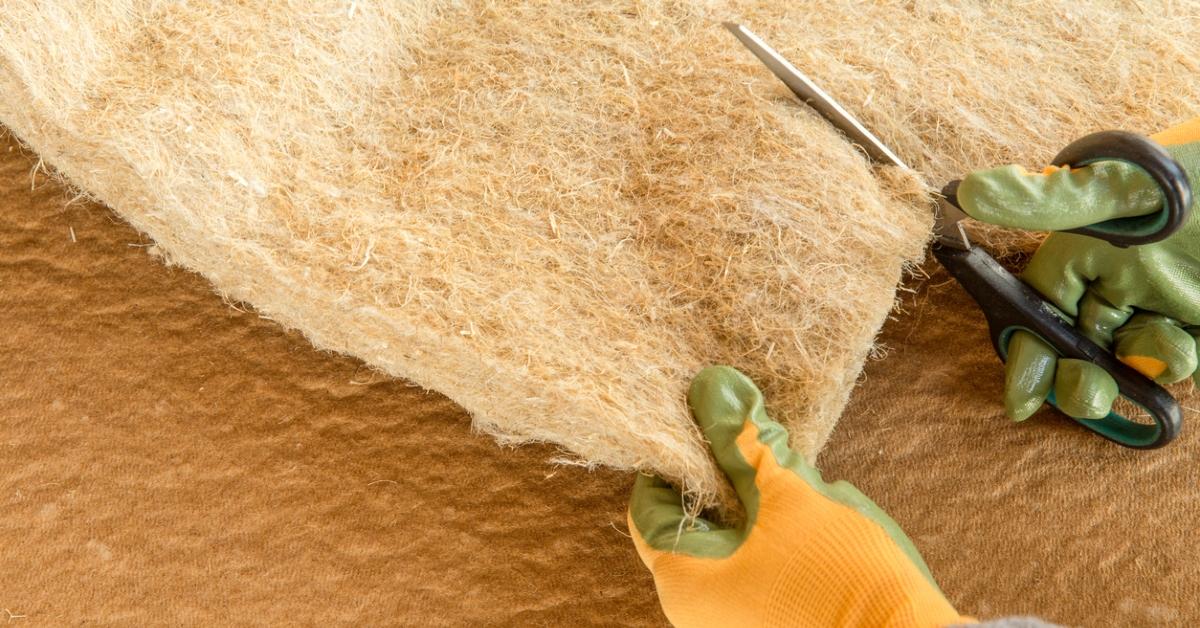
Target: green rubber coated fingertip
(722, 398)
(1084, 390)
(1028, 375)
(1158, 344)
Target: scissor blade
(947, 227)
(815, 97)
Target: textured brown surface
(167, 459)
(1038, 517)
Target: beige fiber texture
(556, 212)
(150, 479)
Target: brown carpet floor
(168, 459)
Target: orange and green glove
(1142, 302)
(809, 553)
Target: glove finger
(1058, 199)
(1057, 272)
(1098, 319)
(658, 522)
(1084, 390)
(1157, 347)
(731, 411)
(1028, 375)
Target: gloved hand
(809, 553)
(1141, 302)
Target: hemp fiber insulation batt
(555, 213)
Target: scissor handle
(1145, 153)
(1010, 305)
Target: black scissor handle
(1010, 305)
(1145, 153)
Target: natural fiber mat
(168, 459)
(556, 212)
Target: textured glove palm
(1142, 302)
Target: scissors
(1007, 302)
